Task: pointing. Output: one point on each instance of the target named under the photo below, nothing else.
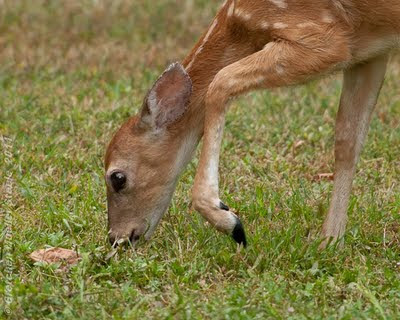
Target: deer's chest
(373, 46)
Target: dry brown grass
(118, 35)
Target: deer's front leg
(278, 64)
(361, 87)
(205, 192)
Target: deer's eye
(118, 181)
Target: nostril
(133, 238)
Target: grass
(71, 72)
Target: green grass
(71, 72)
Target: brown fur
(262, 44)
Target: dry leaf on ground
(324, 176)
(56, 255)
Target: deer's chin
(158, 212)
(147, 236)
(153, 224)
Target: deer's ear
(167, 101)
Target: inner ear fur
(168, 99)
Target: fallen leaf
(324, 176)
(56, 255)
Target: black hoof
(223, 206)
(238, 233)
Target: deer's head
(141, 160)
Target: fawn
(250, 44)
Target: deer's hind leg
(280, 63)
(361, 87)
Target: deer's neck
(202, 64)
(188, 131)
(215, 50)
